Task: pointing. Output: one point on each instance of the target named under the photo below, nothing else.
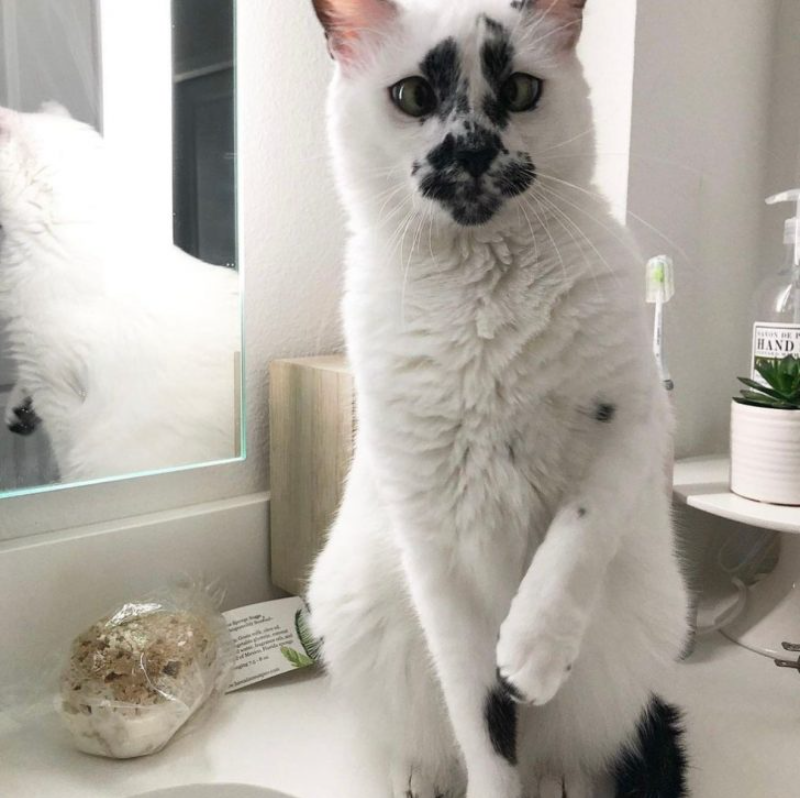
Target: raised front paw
(444, 780)
(22, 419)
(533, 662)
(573, 785)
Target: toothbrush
(660, 289)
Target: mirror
(120, 299)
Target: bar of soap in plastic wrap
(137, 676)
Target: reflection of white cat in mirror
(124, 345)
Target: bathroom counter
(743, 721)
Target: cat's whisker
(630, 213)
(542, 18)
(555, 209)
(543, 222)
(535, 243)
(546, 36)
(406, 272)
(389, 195)
(600, 197)
(588, 131)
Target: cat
(123, 344)
(499, 599)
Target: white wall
(292, 241)
(607, 50)
(700, 113)
(136, 47)
(783, 147)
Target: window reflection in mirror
(120, 329)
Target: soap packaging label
(269, 640)
(774, 341)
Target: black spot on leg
(582, 512)
(655, 762)
(604, 413)
(500, 714)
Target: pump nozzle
(792, 230)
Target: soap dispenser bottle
(776, 332)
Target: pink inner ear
(365, 13)
(568, 14)
(353, 19)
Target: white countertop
(743, 724)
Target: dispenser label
(774, 341)
(271, 638)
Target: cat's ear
(348, 23)
(566, 14)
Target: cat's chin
(475, 213)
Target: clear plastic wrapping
(138, 675)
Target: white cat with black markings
(499, 599)
(123, 344)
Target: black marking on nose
(604, 413)
(476, 162)
(442, 67)
(500, 714)
(474, 151)
(516, 176)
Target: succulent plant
(782, 390)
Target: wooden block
(312, 425)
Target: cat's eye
(521, 92)
(414, 96)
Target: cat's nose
(476, 160)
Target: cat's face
(447, 108)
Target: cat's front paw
(534, 662)
(573, 785)
(421, 781)
(22, 419)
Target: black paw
(25, 419)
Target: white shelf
(703, 483)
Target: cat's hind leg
(374, 650)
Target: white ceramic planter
(765, 454)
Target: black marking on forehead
(497, 59)
(492, 24)
(442, 68)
